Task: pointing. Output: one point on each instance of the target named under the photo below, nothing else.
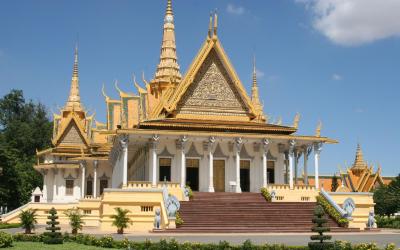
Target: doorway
(219, 175)
(164, 169)
(192, 173)
(245, 175)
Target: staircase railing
(330, 200)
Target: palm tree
(121, 220)
(28, 220)
(75, 220)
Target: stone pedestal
(172, 224)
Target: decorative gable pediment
(212, 92)
(72, 135)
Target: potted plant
(28, 220)
(75, 220)
(121, 220)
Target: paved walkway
(299, 239)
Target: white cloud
(235, 10)
(355, 22)
(359, 110)
(337, 77)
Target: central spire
(254, 90)
(74, 99)
(168, 67)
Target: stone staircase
(244, 213)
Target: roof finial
(296, 121)
(210, 25)
(318, 130)
(169, 8)
(215, 22)
(74, 100)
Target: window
(103, 185)
(165, 169)
(69, 187)
(37, 198)
(146, 209)
(89, 187)
(271, 172)
(87, 211)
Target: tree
(320, 227)
(24, 127)
(387, 198)
(121, 220)
(75, 220)
(28, 220)
(335, 183)
(52, 236)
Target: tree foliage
(121, 219)
(24, 128)
(387, 198)
(320, 227)
(28, 220)
(335, 183)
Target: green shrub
(6, 240)
(75, 220)
(190, 192)
(28, 220)
(121, 219)
(9, 225)
(387, 222)
(52, 236)
(28, 237)
(331, 211)
(178, 219)
(266, 194)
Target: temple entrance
(219, 175)
(245, 175)
(192, 173)
(271, 172)
(164, 169)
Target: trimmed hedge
(178, 219)
(266, 194)
(329, 209)
(109, 242)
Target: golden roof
(74, 100)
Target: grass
(11, 225)
(41, 246)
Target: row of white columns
(209, 146)
(293, 158)
(83, 178)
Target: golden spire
(359, 162)
(318, 129)
(254, 90)
(168, 67)
(74, 100)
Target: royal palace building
(200, 129)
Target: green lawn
(41, 246)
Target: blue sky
(330, 60)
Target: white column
(55, 174)
(297, 155)
(95, 165)
(209, 148)
(307, 151)
(124, 144)
(83, 179)
(317, 151)
(292, 143)
(44, 189)
(238, 147)
(265, 144)
(180, 145)
(153, 159)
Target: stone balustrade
(299, 193)
(148, 185)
